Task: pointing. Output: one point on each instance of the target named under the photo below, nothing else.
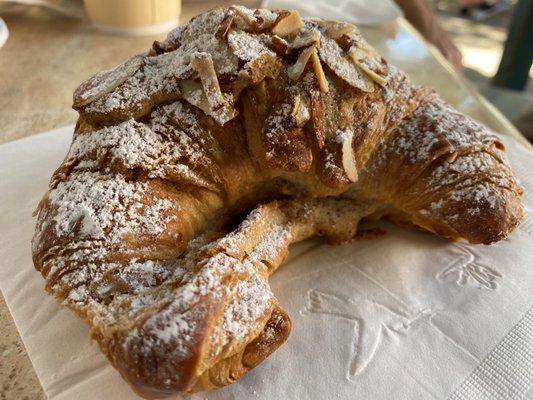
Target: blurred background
(481, 36)
(489, 42)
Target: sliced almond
(246, 14)
(309, 37)
(319, 72)
(355, 56)
(318, 116)
(225, 25)
(280, 45)
(334, 57)
(338, 29)
(193, 93)
(254, 20)
(247, 46)
(345, 42)
(106, 81)
(300, 111)
(360, 51)
(375, 77)
(288, 23)
(295, 71)
(225, 61)
(264, 18)
(345, 138)
(203, 64)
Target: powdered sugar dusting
(344, 136)
(332, 54)
(248, 46)
(435, 128)
(251, 299)
(92, 204)
(158, 75)
(106, 81)
(131, 143)
(482, 194)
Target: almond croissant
(298, 123)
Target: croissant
(193, 167)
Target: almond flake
(334, 57)
(246, 14)
(338, 29)
(106, 81)
(280, 45)
(225, 25)
(319, 72)
(300, 111)
(193, 92)
(248, 46)
(354, 55)
(345, 138)
(295, 71)
(288, 24)
(308, 37)
(203, 64)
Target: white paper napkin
(360, 12)
(4, 33)
(403, 316)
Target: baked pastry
(194, 167)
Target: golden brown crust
(298, 120)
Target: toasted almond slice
(345, 138)
(246, 14)
(225, 25)
(288, 24)
(247, 46)
(106, 81)
(336, 30)
(319, 72)
(363, 67)
(193, 93)
(363, 51)
(309, 37)
(345, 42)
(358, 52)
(334, 57)
(318, 116)
(295, 71)
(253, 20)
(375, 77)
(300, 111)
(264, 18)
(280, 45)
(203, 64)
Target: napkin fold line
(507, 371)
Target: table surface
(47, 56)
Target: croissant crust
(193, 167)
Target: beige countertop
(47, 56)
